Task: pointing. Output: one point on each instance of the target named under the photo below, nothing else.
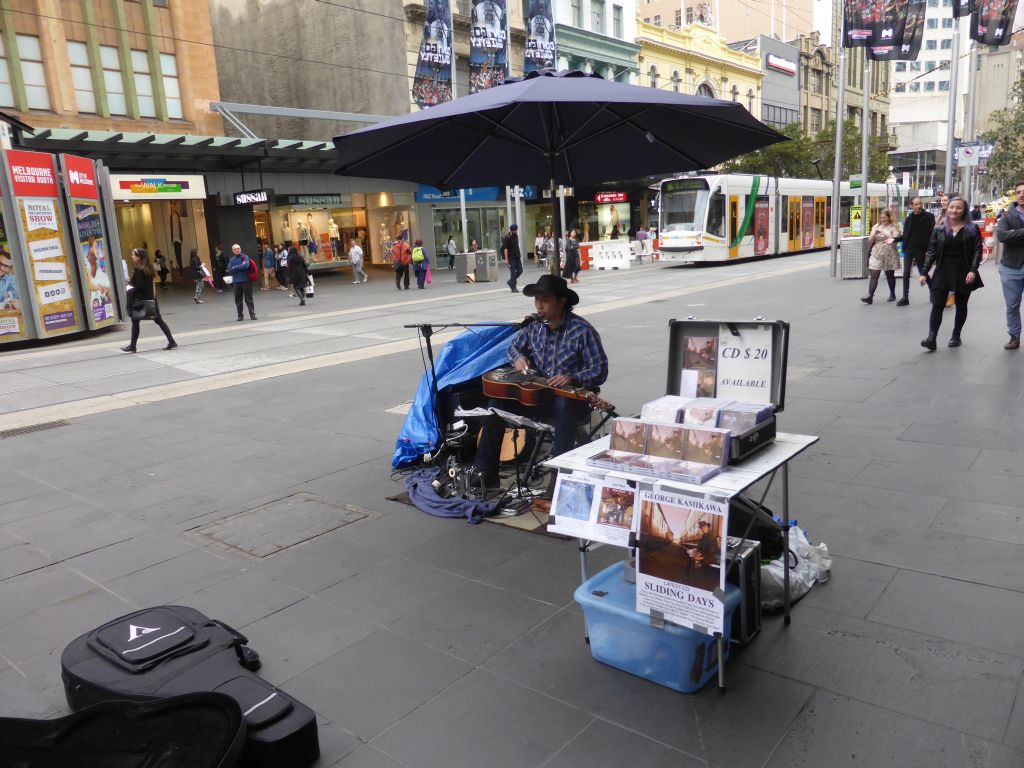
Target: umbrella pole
(556, 221)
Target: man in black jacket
(917, 231)
(1010, 232)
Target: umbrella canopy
(567, 128)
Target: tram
(730, 217)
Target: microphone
(528, 320)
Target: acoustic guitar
(529, 389)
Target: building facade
(696, 60)
(999, 69)
(109, 65)
(598, 36)
(780, 88)
(817, 83)
(733, 20)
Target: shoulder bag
(144, 310)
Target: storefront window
(389, 215)
(322, 227)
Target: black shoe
(302, 303)
(240, 319)
(929, 343)
(954, 342)
(868, 299)
(252, 317)
(171, 345)
(892, 297)
(903, 302)
(128, 349)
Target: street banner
(680, 560)
(83, 204)
(488, 45)
(540, 38)
(992, 21)
(874, 23)
(909, 46)
(432, 83)
(963, 8)
(42, 242)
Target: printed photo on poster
(608, 504)
(807, 223)
(12, 321)
(432, 83)
(700, 361)
(761, 226)
(540, 37)
(488, 45)
(94, 262)
(680, 557)
(44, 240)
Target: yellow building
(696, 60)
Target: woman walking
(298, 274)
(572, 257)
(355, 257)
(452, 250)
(195, 266)
(220, 268)
(955, 252)
(142, 301)
(420, 263)
(884, 256)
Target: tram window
(844, 211)
(828, 213)
(785, 219)
(716, 215)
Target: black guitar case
(198, 730)
(170, 650)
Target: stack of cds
(734, 416)
(670, 451)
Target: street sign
(857, 225)
(855, 180)
(967, 155)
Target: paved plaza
(206, 476)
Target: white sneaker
(365, 279)
(355, 282)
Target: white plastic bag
(809, 564)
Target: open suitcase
(170, 650)
(198, 730)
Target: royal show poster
(540, 37)
(593, 510)
(92, 256)
(34, 183)
(432, 83)
(874, 23)
(12, 317)
(680, 559)
(488, 45)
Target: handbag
(228, 279)
(144, 310)
(428, 276)
(310, 287)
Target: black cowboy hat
(556, 286)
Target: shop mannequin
(335, 236)
(313, 237)
(303, 239)
(286, 234)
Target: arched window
(705, 90)
(675, 80)
(750, 100)
(735, 93)
(652, 76)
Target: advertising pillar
(39, 230)
(91, 248)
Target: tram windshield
(683, 202)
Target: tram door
(734, 226)
(819, 222)
(794, 223)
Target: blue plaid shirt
(574, 348)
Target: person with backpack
(420, 263)
(282, 267)
(240, 267)
(401, 257)
(298, 274)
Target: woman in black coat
(955, 252)
(140, 291)
(195, 266)
(298, 273)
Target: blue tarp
(467, 356)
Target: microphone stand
(426, 330)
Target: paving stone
(483, 720)
(21, 699)
(854, 588)
(166, 582)
(375, 682)
(335, 744)
(129, 556)
(39, 588)
(398, 530)
(22, 558)
(977, 615)
(368, 757)
(469, 550)
(11, 511)
(242, 599)
(319, 563)
(1015, 728)
(473, 621)
(603, 745)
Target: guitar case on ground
(198, 730)
(170, 650)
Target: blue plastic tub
(675, 657)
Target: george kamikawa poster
(488, 44)
(540, 37)
(680, 559)
(432, 83)
(595, 511)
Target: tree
(806, 157)
(1006, 163)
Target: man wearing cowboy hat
(561, 347)
(9, 298)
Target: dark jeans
(909, 260)
(160, 324)
(515, 269)
(421, 277)
(400, 272)
(567, 415)
(939, 304)
(244, 290)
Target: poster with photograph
(700, 363)
(539, 52)
(12, 318)
(609, 507)
(680, 559)
(992, 21)
(873, 23)
(432, 83)
(488, 45)
(807, 223)
(745, 364)
(761, 226)
(94, 262)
